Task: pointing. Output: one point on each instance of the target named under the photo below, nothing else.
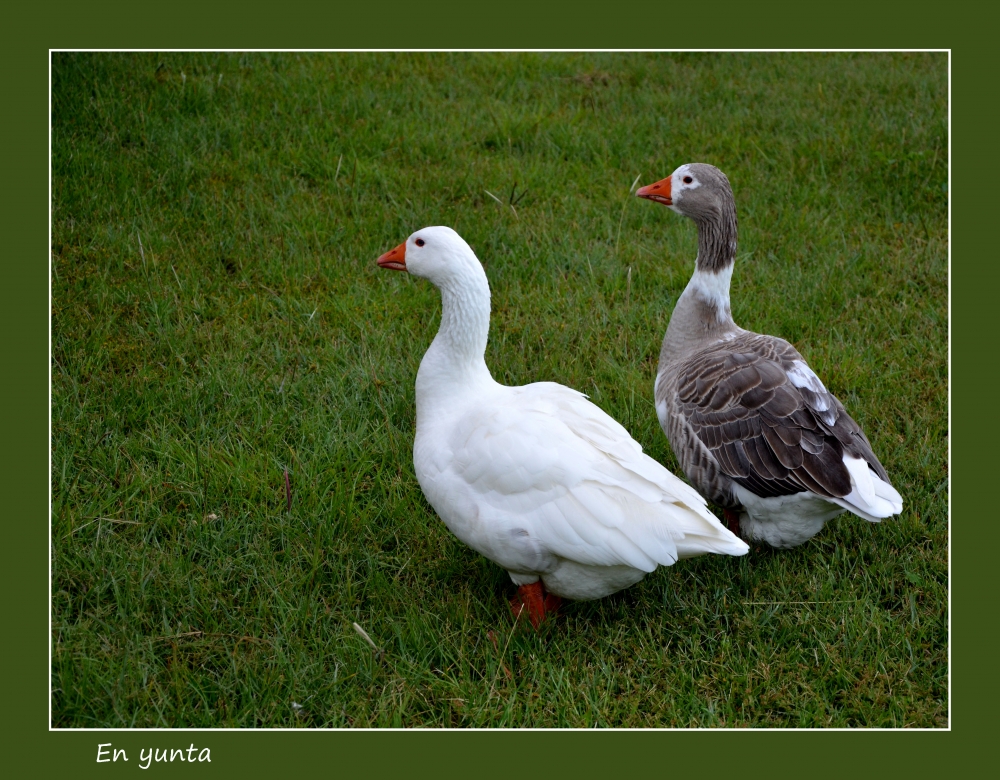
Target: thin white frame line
(506, 51)
(597, 730)
(49, 551)
(950, 427)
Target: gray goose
(755, 430)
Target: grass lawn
(251, 333)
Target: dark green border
(512, 24)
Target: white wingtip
(870, 497)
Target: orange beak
(394, 259)
(658, 191)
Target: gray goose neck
(717, 237)
(703, 314)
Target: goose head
(455, 359)
(437, 254)
(696, 190)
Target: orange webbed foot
(533, 601)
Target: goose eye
(419, 242)
(688, 180)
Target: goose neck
(465, 322)
(703, 313)
(455, 362)
(717, 238)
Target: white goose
(753, 427)
(536, 478)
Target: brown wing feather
(767, 434)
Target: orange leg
(533, 600)
(732, 521)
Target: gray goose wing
(767, 419)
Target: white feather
(870, 497)
(802, 376)
(713, 288)
(784, 521)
